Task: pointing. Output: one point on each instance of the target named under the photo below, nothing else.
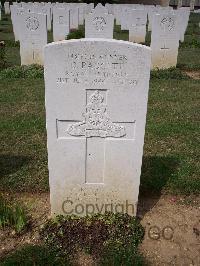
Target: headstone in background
(74, 17)
(117, 13)
(180, 3)
(99, 25)
(183, 14)
(60, 23)
(82, 10)
(33, 38)
(96, 104)
(46, 10)
(165, 40)
(7, 8)
(16, 16)
(89, 8)
(109, 7)
(192, 5)
(137, 27)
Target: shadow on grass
(11, 163)
(156, 171)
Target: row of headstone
(179, 3)
(167, 28)
(96, 93)
(35, 19)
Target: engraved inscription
(99, 23)
(61, 20)
(91, 69)
(97, 122)
(32, 23)
(167, 23)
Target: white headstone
(96, 104)
(137, 28)
(99, 25)
(192, 4)
(117, 13)
(101, 9)
(89, 8)
(74, 18)
(180, 3)
(7, 8)
(110, 8)
(46, 10)
(16, 16)
(82, 11)
(60, 23)
(183, 14)
(165, 40)
(33, 38)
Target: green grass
(31, 255)
(12, 216)
(23, 137)
(170, 160)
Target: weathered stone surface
(7, 8)
(165, 40)
(33, 38)
(99, 25)
(96, 104)
(74, 17)
(137, 27)
(60, 23)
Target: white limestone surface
(33, 38)
(7, 8)
(165, 40)
(60, 24)
(99, 25)
(96, 93)
(137, 26)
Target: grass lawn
(170, 161)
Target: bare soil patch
(172, 231)
(193, 74)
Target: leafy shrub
(31, 71)
(33, 255)
(2, 55)
(112, 239)
(170, 73)
(77, 34)
(12, 216)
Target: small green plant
(77, 34)
(170, 73)
(112, 239)
(12, 216)
(32, 71)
